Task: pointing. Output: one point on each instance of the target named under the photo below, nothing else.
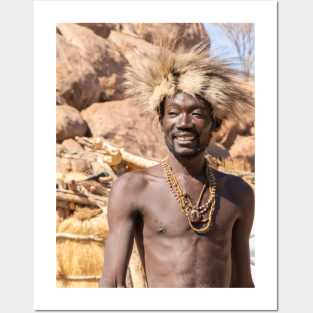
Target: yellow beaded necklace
(196, 214)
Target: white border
(264, 295)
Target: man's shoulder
(136, 181)
(129, 191)
(232, 181)
(237, 188)
(130, 181)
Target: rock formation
(91, 58)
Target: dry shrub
(245, 164)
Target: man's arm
(241, 271)
(118, 246)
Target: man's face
(187, 125)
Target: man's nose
(184, 121)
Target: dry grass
(80, 261)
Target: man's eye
(198, 114)
(172, 113)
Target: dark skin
(142, 208)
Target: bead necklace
(196, 214)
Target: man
(191, 223)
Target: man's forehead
(184, 98)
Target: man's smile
(183, 140)
(185, 137)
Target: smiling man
(191, 222)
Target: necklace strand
(195, 213)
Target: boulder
(243, 146)
(128, 45)
(123, 124)
(69, 123)
(72, 145)
(184, 34)
(146, 37)
(188, 34)
(77, 82)
(106, 60)
(101, 29)
(243, 150)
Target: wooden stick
(79, 237)
(105, 180)
(69, 196)
(82, 277)
(138, 161)
(109, 169)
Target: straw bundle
(80, 246)
(80, 243)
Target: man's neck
(188, 166)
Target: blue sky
(220, 45)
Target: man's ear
(161, 121)
(161, 113)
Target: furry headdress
(149, 79)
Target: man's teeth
(185, 138)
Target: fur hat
(149, 80)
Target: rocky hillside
(90, 98)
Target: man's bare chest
(162, 215)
